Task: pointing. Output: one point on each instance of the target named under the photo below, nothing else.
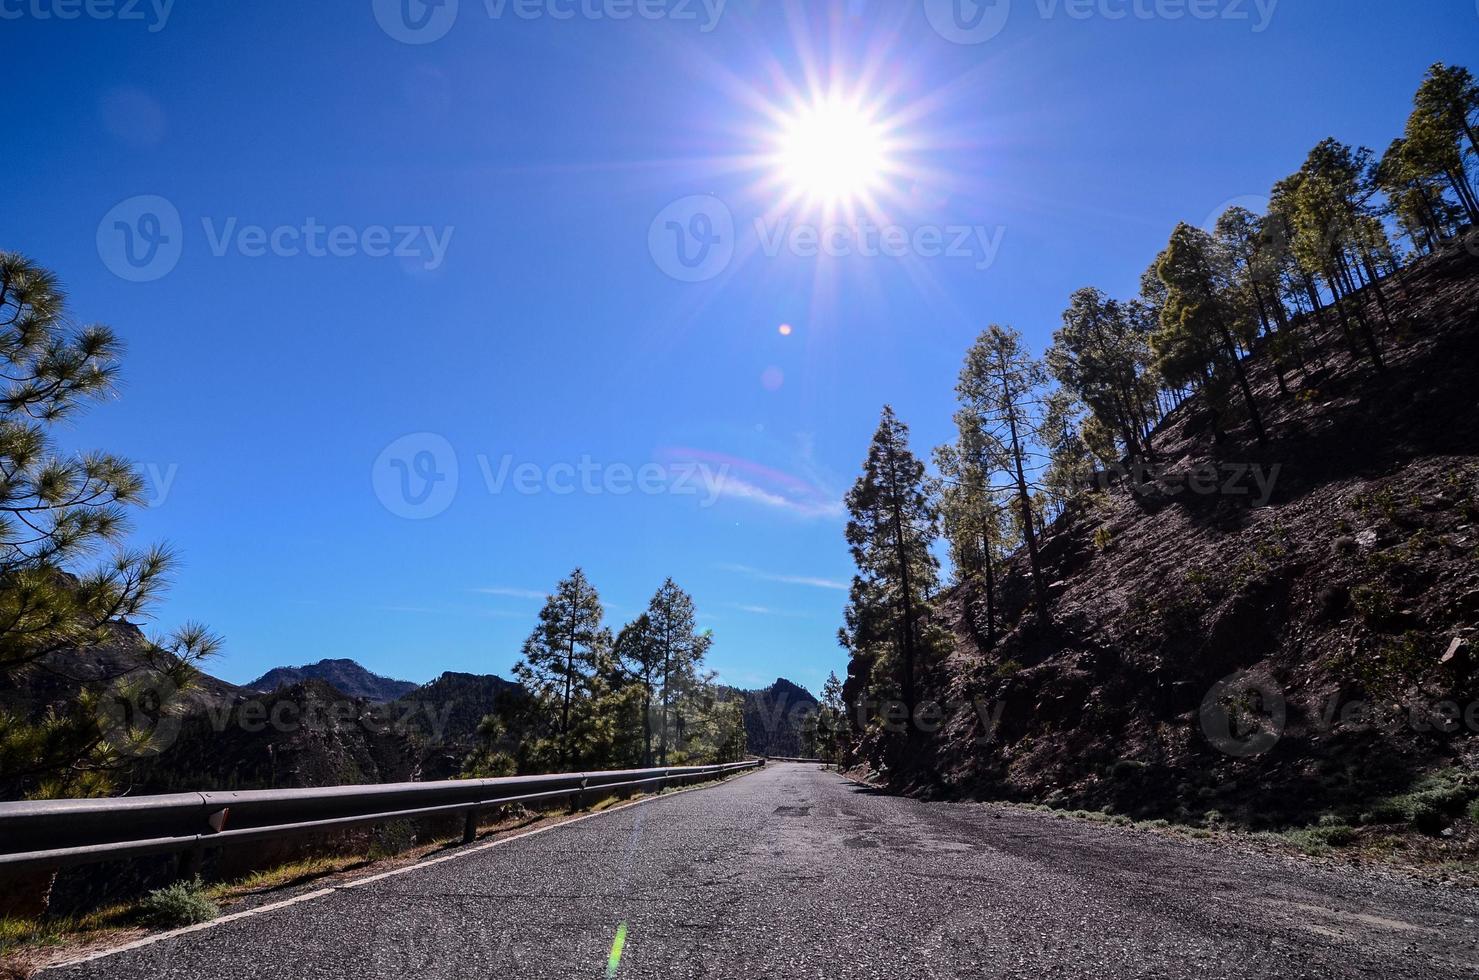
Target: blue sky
(534, 321)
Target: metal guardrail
(56, 833)
(786, 758)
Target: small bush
(1337, 835)
(1007, 669)
(1374, 602)
(1430, 803)
(392, 838)
(1474, 811)
(180, 904)
(1320, 840)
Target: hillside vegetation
(1340, 596)
(1212, 555)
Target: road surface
(796, 872)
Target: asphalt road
(795, 872)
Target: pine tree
(1102, 355)
(831, 721)
(974, 521)
(712, 725)
(567, 659)
(1442, 121)
(679, 651)
(1197, 339)
(640, 654)
(1001, 391)
(891, 527)
(1332, 233)
(58, 513)
(1414, 197)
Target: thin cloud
(767, 611)
(453, 611)
(512, 593)
(808, 580)
(733, 488)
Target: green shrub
(1474, 811)
(1374, 602)
(180, 904)
(1429, 804)
(1319, 840)
(391, 838)
(1007, 669)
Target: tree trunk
(1242, 376)
(901, 552)
(667, 668)
(565, 710)
(1024, 498)
(647, 724)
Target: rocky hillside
(1265, 632)
(774, 717)
(343, 675)
(308, 734)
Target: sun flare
(832, 151)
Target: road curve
(795, 872)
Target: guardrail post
(470, 827)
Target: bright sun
(832, 151)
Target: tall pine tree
(567, 661)
(891, 527)
(1001, 393)
(678, 654)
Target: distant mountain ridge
(344, 675)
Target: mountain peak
(345, 675)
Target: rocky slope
(1344, 608)
(774, 717)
